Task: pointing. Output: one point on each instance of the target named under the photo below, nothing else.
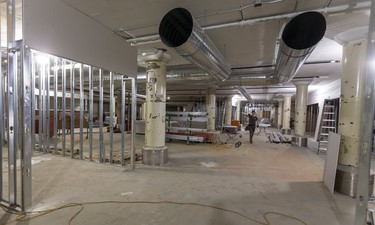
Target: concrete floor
(253, 179)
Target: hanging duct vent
(179, 30)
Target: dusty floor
(252, 179)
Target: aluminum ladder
(328, 122)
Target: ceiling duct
(299, 39)
(179, 30)
(245, 94)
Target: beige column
(155, 152)
(352, 81)
(299, 138)
(286, 114)
(211, 107)
(280, 113)
(228, 110)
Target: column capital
(287, 95)
(304, 82)
(160, 55)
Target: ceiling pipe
(179, 30)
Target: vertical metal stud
(81, 77)
(111, 104)
(26, 115)
(2, 128)
(367, 124)
(44, 109)
(12, 103)
(123, 96)
(12, 125)
(56, 99)
(133, 118)
(101, 138)
(48, 104)
(63, 102)
(72, 74)
(40, 107)
(33, 105)
(91, 111)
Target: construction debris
(277, 137)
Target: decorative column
(155, 152)
(352, 81)
(299, 138)
(228, 110)
(211, 107)
(280, 113)
(286, 114)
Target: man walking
(253, 119)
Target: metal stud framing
(81, 102)
(72, 74)
(101, 136)
(367, 124)
(49, 86)
(111, 104)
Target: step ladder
(328, 122)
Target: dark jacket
(252, 120)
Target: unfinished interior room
(161, 112)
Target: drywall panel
(54, 27)
(330, 164)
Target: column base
(347, 179)
(299, 141)
(155, 156)
(286, 131)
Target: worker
(253, 120)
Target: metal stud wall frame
(58, 106)
(74, 99)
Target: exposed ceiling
(246, 35)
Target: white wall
(56, 28)
(328, 91)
